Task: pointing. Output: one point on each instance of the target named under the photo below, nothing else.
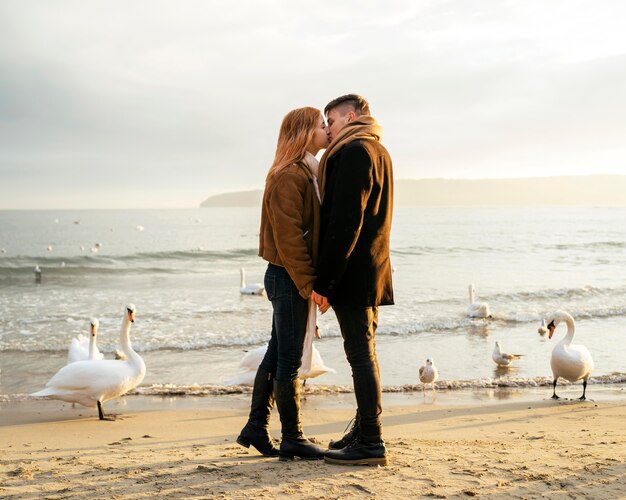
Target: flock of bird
(90, 380)
(573, 362)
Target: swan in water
(477, 309)
(252, 288)
(82, 348)
(503, 358)
(570, 361)
(92, 382)
(543, 329)
(428, 374)
(311, 365)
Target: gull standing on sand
(428, 374)
(543, 329)
(477, 309)
(92, 382)
(503, 358)
(82, 348)
(252, 288)
(570, 361)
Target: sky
(161, 104)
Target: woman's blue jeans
(284, 351)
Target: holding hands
(321, 301)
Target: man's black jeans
(358, 329)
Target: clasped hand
(321, 301)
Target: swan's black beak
(551, 328)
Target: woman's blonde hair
(296, 131)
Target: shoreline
(526, 446)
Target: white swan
(82, 348)
(543, 329)
(503, 358)
(428, 374)
(91, 383)
(311, 366)
(477, 309)
(252, 288)
(572, 362)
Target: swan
(570, 361)
(477, 309)
(543, 329)
(91, 382)
(82, 348)
(503, 358)
(428, 374)
(252, 288)
(311, 365)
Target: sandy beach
(526, 446)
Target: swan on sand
(92, 382)
(573, 362)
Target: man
(354, 269)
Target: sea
(181, 269)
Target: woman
(288, 241)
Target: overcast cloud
(161, 104)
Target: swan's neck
(127, 348)
(571, 329)
(243, 278)
(92, 346)
(471, 294)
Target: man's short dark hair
(355, 101)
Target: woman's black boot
(256, 431)
(294, 443)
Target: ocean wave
(593, 245)
(157, 340)
(198, 390)
(167, 261)
(505, 249)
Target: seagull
(503, 358)
(49, 248)
(37, 274)
(139, 227)
(543, 329)
(570, 361)
(477, 309)
(252, 288)
(428, 374)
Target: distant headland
(592, 190)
